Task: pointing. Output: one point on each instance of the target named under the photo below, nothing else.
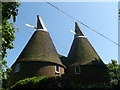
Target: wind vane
(40, 24)
(77, 33)
(72, 32)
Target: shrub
(39, 82)
(48, 83)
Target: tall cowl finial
(40, 24)
(79, 33)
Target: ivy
(9, 11)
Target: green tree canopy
(9, 11)
(114, 72)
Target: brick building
(40, 58)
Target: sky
(101, 16)
(119, 34)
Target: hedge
(48, 83)
(39, 82)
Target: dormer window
(77, 70)
(57, 69)
(17, 67)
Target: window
(57, 69)
(17, 67)
(77, 69)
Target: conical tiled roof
(82, 52)
(40, 48)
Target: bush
(43, 82)
(39, 82)
(96, 86)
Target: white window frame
(57, 71)
(76, 70)
(17, 67)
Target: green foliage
(28, 82)
(9, 11)
(39, 82)
(114, 72)
(96, 85)
(43, 82)
(8, 37)
(6, 79)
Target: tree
(114, 72)
(9, 10)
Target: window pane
(77, 69)
(57, 69)
(17, 67)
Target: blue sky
(101, 16)
(119, 35)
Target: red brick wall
(30, 69)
